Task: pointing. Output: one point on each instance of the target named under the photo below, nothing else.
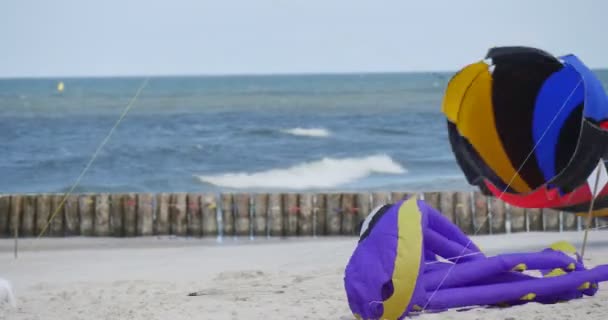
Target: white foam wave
(308, 132)
(324, 173)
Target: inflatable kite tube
(410, 258)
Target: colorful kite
(410, 258)
(531, 129)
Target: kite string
(95, 154)
(454, 257)
(504, 190)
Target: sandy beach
(151, 278)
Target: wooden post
(15, 214)
(535, 219)
(195, 216)
(399, 195)
(209, 215)
(432, 199)
(499, 214)
(43, 211)
(446, 205)
(600, 223)
(179, 219)
(28, 220)
(290, 214)
(117, 215)
(348, 209)
(58, 205)
(86, 208)
(551, 220)
(242, 221)
(570, 221)
(482, 222)
(463, 213)
(15, 221)
(364, 208)
(5, 207)
(72, 215)
(379, 199)
(274, 214)
(146, 207)
(319, 214)
(227, 214)
(305, 226)
(162, 224)
(101, 223)
(334, 215)
(593, 223)
(129, 202)
(260, 214)
(518, 219)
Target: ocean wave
(392, 131)
(260, 131)
(324, 173)
(308, 132)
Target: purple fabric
(474, 280)
(437, 221)
(558, 287)
(371, 266)
(448, 249)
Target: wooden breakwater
(252, 214)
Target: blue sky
(137, 37)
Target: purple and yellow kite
(410, 258)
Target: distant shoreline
(242, 75)
(227, 75)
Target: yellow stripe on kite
(468, 104)
(458, 85)
(407, 262)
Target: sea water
(227, 133)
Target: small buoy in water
(60, 86)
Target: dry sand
(150, 278)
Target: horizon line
(254, 74)
(219, 75)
